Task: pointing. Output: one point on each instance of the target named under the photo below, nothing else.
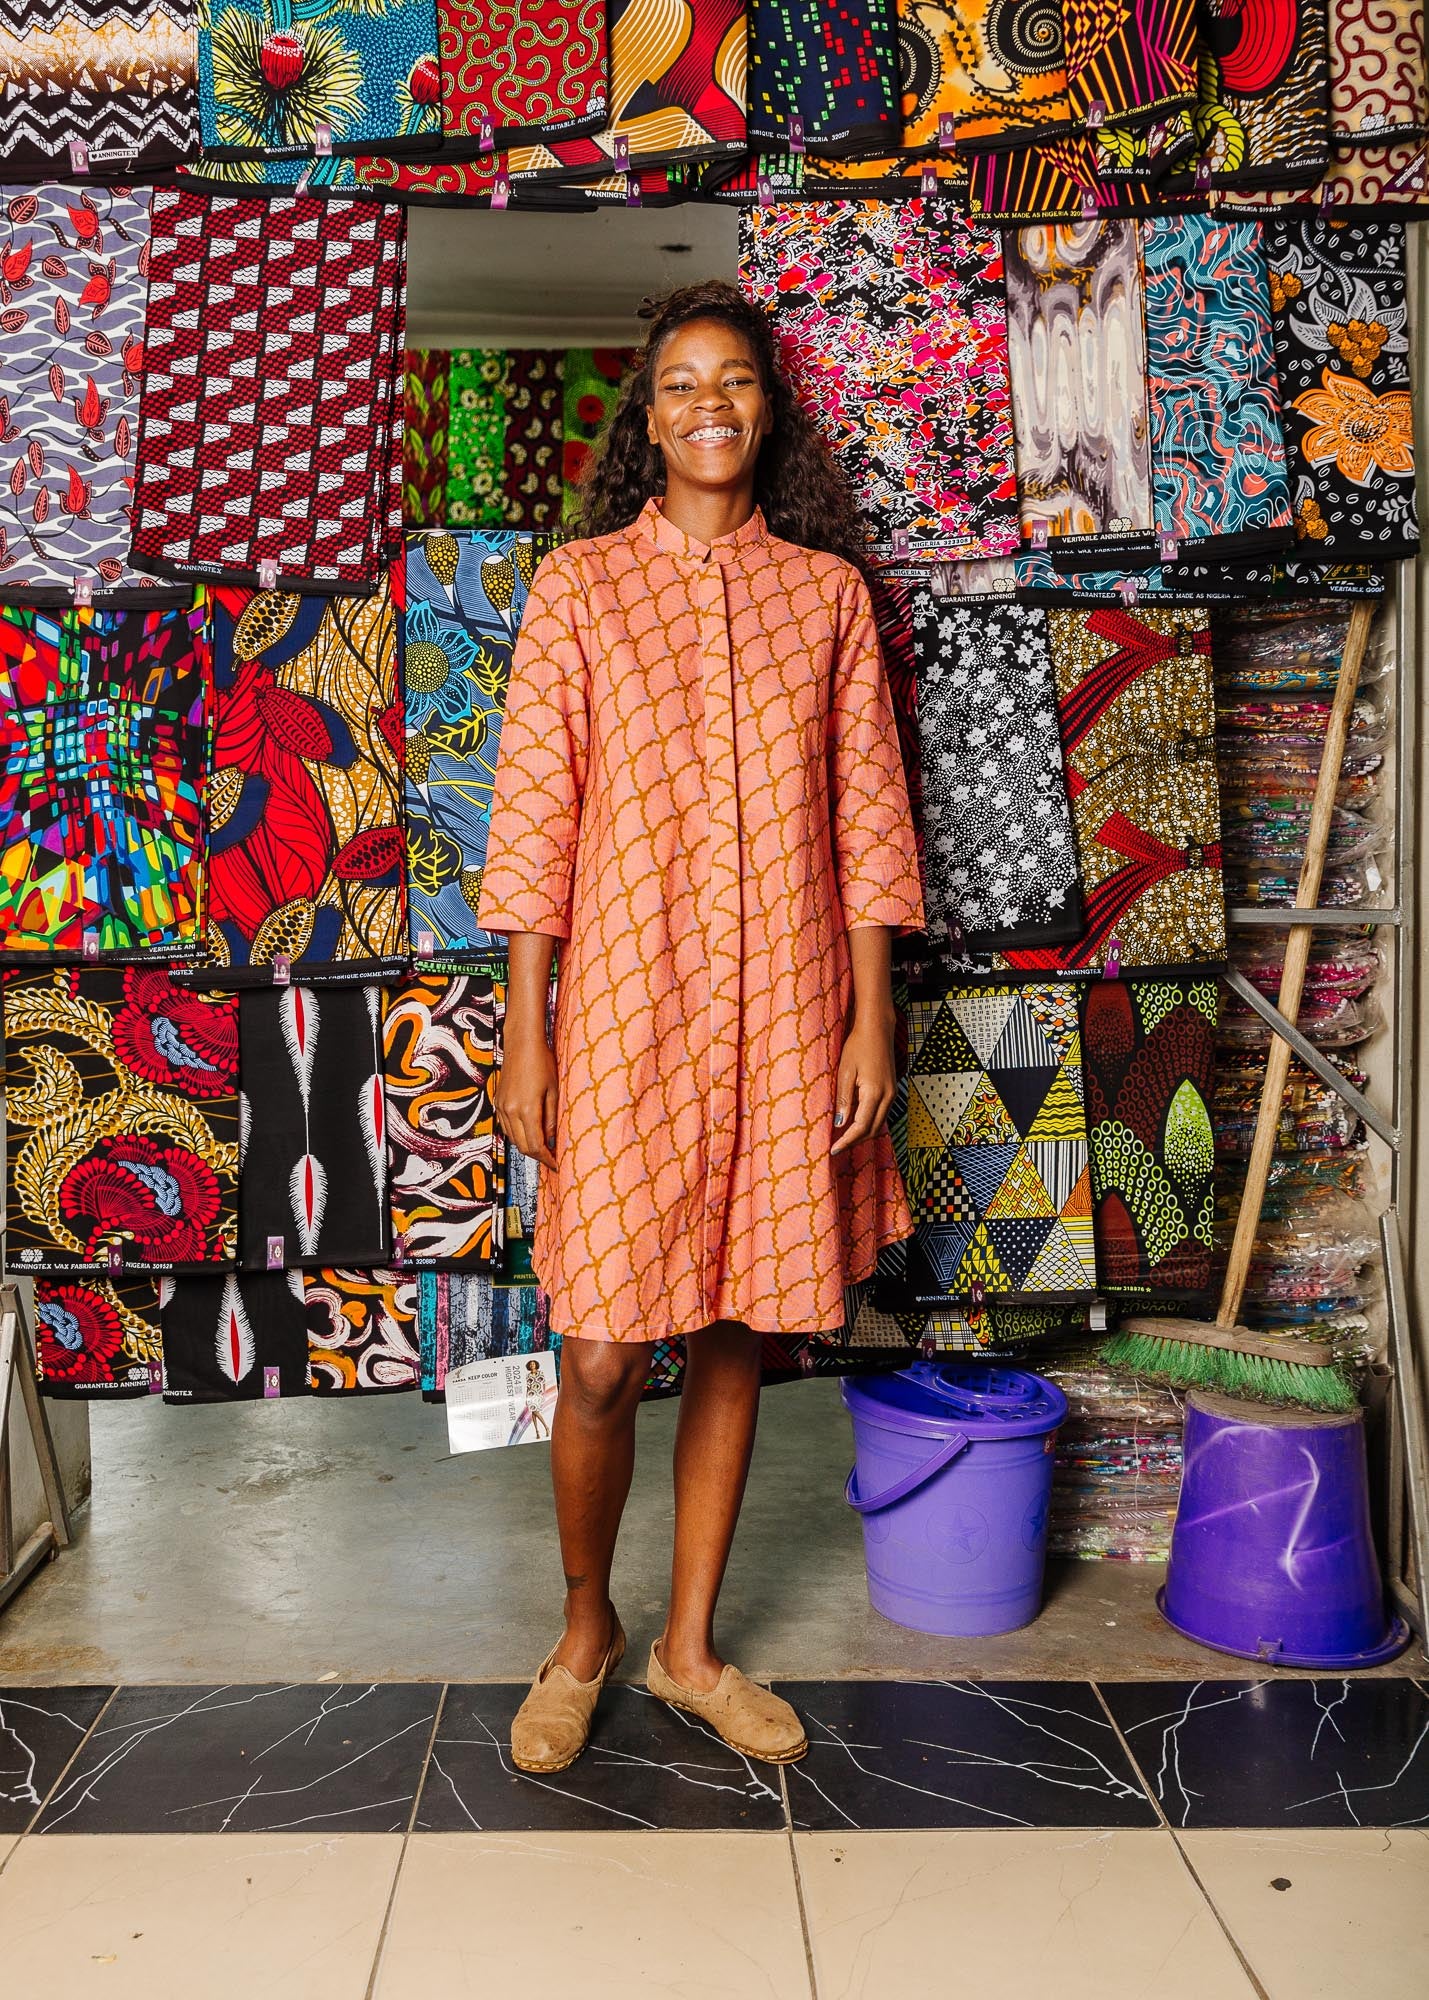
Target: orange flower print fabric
(699, 791)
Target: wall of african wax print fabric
(826, 69)
(1264, 111)
(1000, 861)
(677, 92)
(362, 1331)
(305, 833)
(105, 723)
(995, 68)
(1077, 345)
(1138, 723)
(476, 439)
(440, 1041)
(306, 295)
(591, 382)
(121, 1109)
(891, 321)
(97, 1337)
(466, 593)
(1379, 71)
(1148, 1067)
(238, 1338)
(275, 74)
(531, 475)
(314, 1180)
(514, 71)
(1217, 451)
(1338, 298)
(996, 1144)
(426, 411)
(1129, 66)
(72, 286)
(118, 77)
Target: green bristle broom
(1221, 1354)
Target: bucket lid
(977, 1398)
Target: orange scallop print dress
(699, 791)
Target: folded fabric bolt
(111, 83)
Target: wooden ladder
(17, 1364)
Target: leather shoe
(749, 1718)
(552, 1725)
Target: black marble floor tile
(40, 1730)
(959, 1754)
(645, 1766)
(326, 1759)
(1280, 1753)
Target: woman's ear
(650, 431)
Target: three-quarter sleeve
(874, 850)
(540, 769)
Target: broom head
(1239, 1361)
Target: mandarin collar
(674, 541)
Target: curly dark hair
(805, 497)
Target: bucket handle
(910, 1482)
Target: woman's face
(710, 414)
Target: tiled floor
(1253, 1840)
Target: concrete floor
(275, 1541)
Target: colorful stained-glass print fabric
(677, 92)
(97, 1337)
(591, 381)
(239, 1338)
(1264, 112)
(302, 484)
(823, 73)
(115, 77)
(1000, 860)
(426, 412)
(441, 1040)
(314, 1184)
(996, 1157)
(476, 438)
(1138, 724)
(1218, 450)
(1078, 351)
(104, 736)
(362, 1331)
(1379, 71)
(347, 76)
(515, 71)
(305, 834)
(891, 320)
(466, 593)
(72, 290)
(531, 476)
(121, 1105)
(1338, 298)
(1129, 66)
(1148, 1064)
(988, 72)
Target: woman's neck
(705, 516)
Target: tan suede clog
(749, 1718)
(552, 1726)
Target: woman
(699, 793)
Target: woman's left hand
(865, 1081)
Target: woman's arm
(866, 1071)
(525, 1095)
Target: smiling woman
(700, 794)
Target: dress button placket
(723, 917)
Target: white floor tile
(8, 1843)
(1323, 1915)
(194, 1917)
(1078, 1915)
(599, 1915)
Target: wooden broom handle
(1297, 958)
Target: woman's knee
(601, 1380)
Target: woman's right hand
(525, 1095)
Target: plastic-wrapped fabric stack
(1118, 1467)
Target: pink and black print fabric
(270, 413)
(72, 274)
(239, 1338)
(314, 1179)
(891, 320)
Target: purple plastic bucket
(952, 1478)
(1272, 1557)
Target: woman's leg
(592, 1458)
(714, 1437)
